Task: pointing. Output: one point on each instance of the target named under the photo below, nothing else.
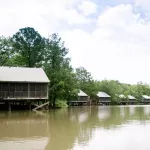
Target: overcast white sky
(110, 38)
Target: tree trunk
(29, 57)
(54, 100)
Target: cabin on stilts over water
(82, 99)
(22, 88)
(131, 99)
(103, 98)
(145, 99)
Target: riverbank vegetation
(27, 48)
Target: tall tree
(29, 45)
(6, 50)
(83, 75)
(140, 89)
(86, 82)
(59, 71)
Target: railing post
(9, 106)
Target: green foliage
(115, 88)
(140, 89)
(86, 82)
(28, 48)
(29, 45)
(111, 87)
(61, 104)
(6, 50)
(57, 65)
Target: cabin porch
(104, 101)
(81, 100)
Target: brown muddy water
(82, 128)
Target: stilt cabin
(145, 99)
(131, 99)
(22, 85)
(82, 99)
(103, 98)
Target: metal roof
(20, 74)
(131, 97)
(81, 93)
(102, 94)
(122, 96)
(145, 97)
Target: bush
(61, 104)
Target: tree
(6, 50)
(57, 66)
(86, 82)
(112, 87)
(140, 89)
(29, 46)
(83, 75)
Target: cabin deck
(104, 102)
(78, 103)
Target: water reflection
(76, 128)
(104, 112)
(24, 144)
(132, 110)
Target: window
(19, 87)
(4, 86)
(32, 87)
(38, 87)
(44, 87)
(12, 87)
(38, 90)
(25, 87)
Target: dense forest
(27, 48)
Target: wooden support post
(29, 105)
(9, 106)
(40, 106)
